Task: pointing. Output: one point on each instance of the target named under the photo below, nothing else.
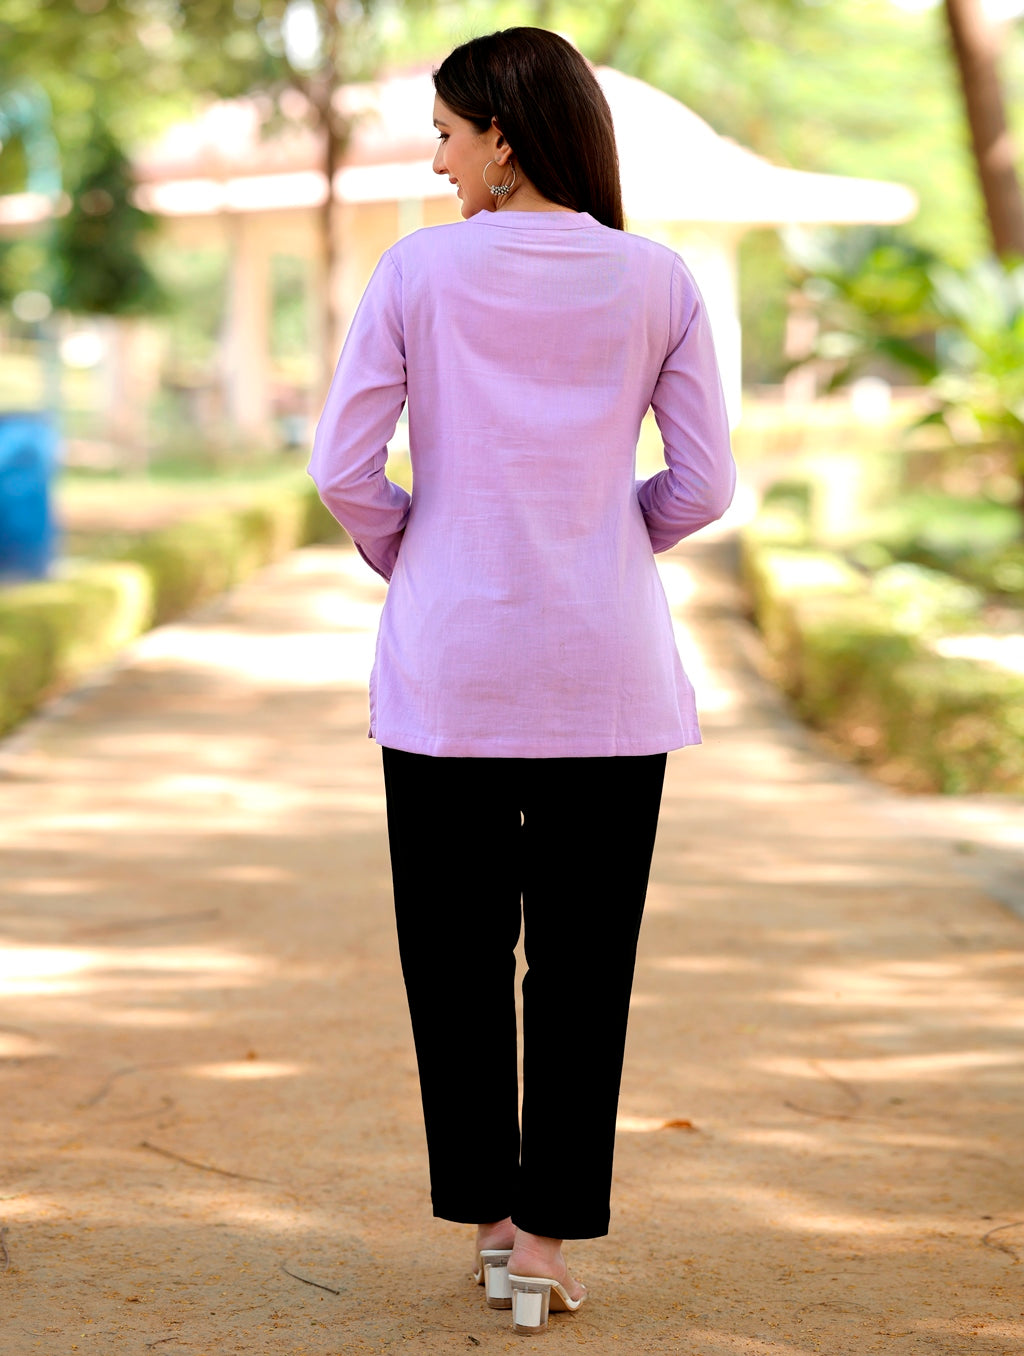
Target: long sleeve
(700, 476)
(525, 616)
(359, 417)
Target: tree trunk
(975, 51)
(334, 147)
(337, 36)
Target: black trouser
(476, 845)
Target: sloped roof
(674, 166)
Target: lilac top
(525, 616)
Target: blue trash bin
(28, 459)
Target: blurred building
(230, 182)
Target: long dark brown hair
(543, 95)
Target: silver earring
(499, 190)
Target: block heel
(492, 1274)
(534, 1298)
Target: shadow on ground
(210, 1107)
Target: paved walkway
(210, 1122)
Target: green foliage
(195, 281)
(997, 572)
(775, 574)
(197, 559)
(23, 264)
(852, 658)
(792, 496)
(980, 348)
(132, 67)
(959, 331)
(53, 632)
(189, 562)
(29, 158)
(290, 294)
(863, 88)
(938, 529)
(921, 601)
(13, 166)
(764, 306)
(99, 268)
(235, 46)
(974, 716)
(872, 293)
(925, 722)
(111, 59)
(840, 648)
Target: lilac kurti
(525, 616)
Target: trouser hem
(541, 1225)
(460, 1214)
(551, 1228)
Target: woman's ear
(502, 150)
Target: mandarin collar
(542, 221)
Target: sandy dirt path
(210, 1122)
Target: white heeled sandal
(534, 1297)
(492, 1274)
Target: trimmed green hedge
(857, 666)
(54, 631)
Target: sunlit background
(211, 1125)
(193, 196)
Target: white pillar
(246, 346)
(130, 375)
(712, 258)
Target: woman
(526, 687)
